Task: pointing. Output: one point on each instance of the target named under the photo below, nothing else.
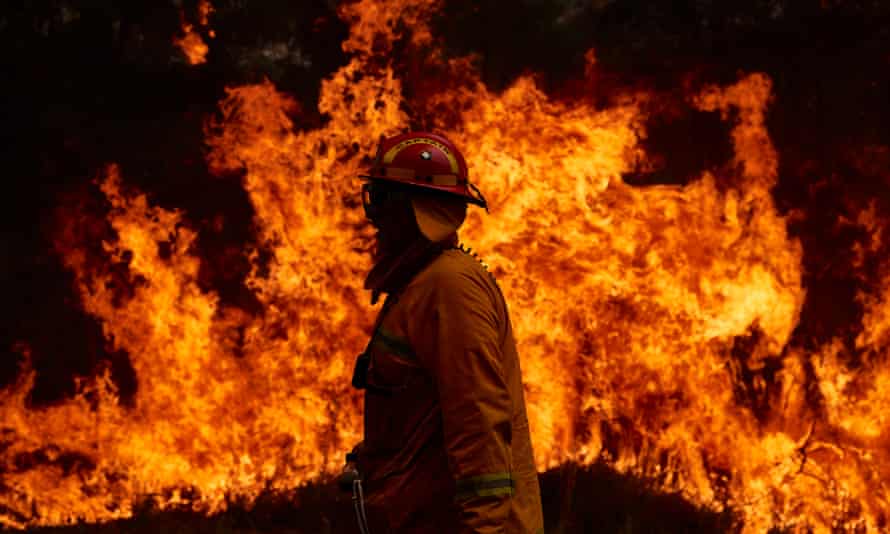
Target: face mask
(378, 199)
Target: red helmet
(424, 160)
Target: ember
(190, 42)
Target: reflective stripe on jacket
(447, 445)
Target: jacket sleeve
(457, 341)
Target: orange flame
(190, 42)
(631, 307)
(204, 11)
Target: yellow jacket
(446, 445)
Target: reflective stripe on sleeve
(484, 486)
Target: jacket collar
(391, 273)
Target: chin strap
(481, 199)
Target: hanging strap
(358, 504)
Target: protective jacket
(446, 439)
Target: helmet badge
(426, 155)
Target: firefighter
(446, 439)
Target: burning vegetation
(697, 267)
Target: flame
(190, 42)
(192, 45)
(654, 324)
(204, 11)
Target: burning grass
(577, 499)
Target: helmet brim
(426, 189)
